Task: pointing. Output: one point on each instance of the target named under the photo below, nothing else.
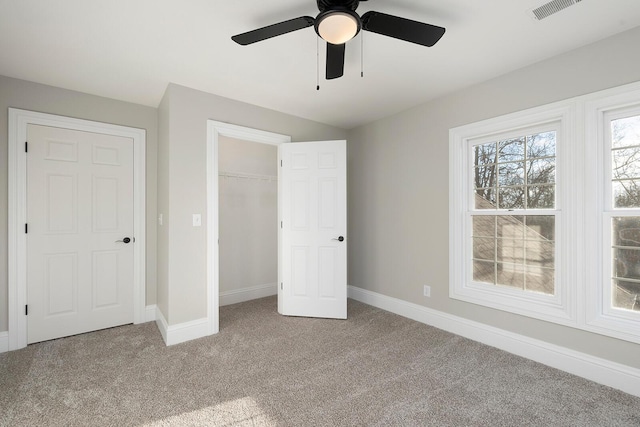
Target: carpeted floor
(262, 369)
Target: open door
(313, 241)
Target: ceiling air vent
(552, 7)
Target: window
(513, 220)
(623, 141)
(613, 282)
(507, 177)
(545, 213)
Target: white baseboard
(599, 370)
(170, 334)
(4, 342)
(248, 294)
(150, 313)
(187, 331)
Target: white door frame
(214, 131)
(17, 215)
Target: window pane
(484, 271)
(541, 145)
(541, 196)
(511, 150)
(625, 132)
(484, 226)
(502, 179)
(540, 280)
(539, 253)
(625, 253)
(485, 154)
(510, 226)
(511, 275)
(514, 250)
(625, 163)
(541, 171)
(626, 194)
(626, 231)
(626, 263)
(511, 198)
(484, 248)
(540, 227)
(511, 251)
(625, 295)
(485, 198)
(485, 176)
(511, 173)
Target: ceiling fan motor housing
(324, 5)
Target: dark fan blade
(335, 60)
(401, 28)
(273, 30)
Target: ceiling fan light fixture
(338, 27)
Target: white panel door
(313, 198)
(79, 210)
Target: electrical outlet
(427, 290)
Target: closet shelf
(242, 175)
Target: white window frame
(557, 308)
(584, 203)
(599, 110)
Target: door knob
(339, 239)
(125, 240)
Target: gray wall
(163, 203)
(248, 214)
(185, 191)
(399, 195)
(46, 99)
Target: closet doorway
(310, 226)
(247, 219)
(240, 291)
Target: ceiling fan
(338, 23)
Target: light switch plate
(197, 220)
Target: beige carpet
(262, 369)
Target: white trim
(161, 322)
(247, 294)
(182, 332)
(17, 161)
(4, 342)
(150, 313)
(558, 308)
(599, 109)
(214, 131)
(595, 369)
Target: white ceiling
(131, 49)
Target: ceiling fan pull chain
(362, 54)
(317, 63)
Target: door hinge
(280, 224)
(280, 163)
(26, 310)
(26, 228)
(281, 286)
(26, 150)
